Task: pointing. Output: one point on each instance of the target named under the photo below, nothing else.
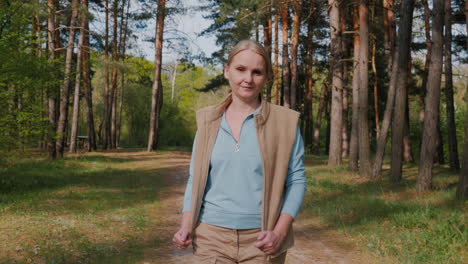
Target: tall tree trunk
(344, 46)
(336, 118)
(286, 95)
(87, 81)
(267, 30)
(63, 118)
(157, 95)
(462, 188)
(427, 29)
(354, 141)
(267, 34)
(115, 59)
(376, 76)
(173, 79)
(327, 113)
(439, 156)
(76, 97)
(364, 147)
(451, 127)
(400, 96)
(389, 23)
(122, 49)
(276, 89)
(322, 107)
(51, 93)
(39, 35)
(297, 6)
(407, 153)
(431, 112)
(106, 93)
(308, 113)
(398, 78)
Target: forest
(381, 87)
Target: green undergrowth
(391, 220)
(83, 209)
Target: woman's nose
(248, 77)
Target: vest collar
(219, 109)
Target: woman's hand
(269, 242)
(182, 239)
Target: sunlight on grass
(392, 220)
(82, 209)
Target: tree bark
(439, 156)
(286, 95)
(389, 23)
(267, 35)
(364, 147)
(450, 109)
(51, 93)
(87, 81)
(462, 188)
(115, 59)
(344, 127)
(38, 37)
(122, 50)
(76, 97)
(322, 107)
(354, 141)
(427, 30)
(297, 6)
(376, 77)
(401, 92)
(106, 93)
(431, 112)
(398, 78)
(336, 118)
(276, 89)
(63, 118)
(407, 153)
(157, 95)
(308, 113)
(173, 79)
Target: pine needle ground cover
(92, 208)
(388, 220)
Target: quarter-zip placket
(237, 143)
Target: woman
(246, 180)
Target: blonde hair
(255, 47)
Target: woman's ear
(226, 72)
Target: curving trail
(314, 243)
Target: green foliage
(25, 78)
(177, 121)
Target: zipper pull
(237, 147)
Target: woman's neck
(243, 107)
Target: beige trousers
(214, 244)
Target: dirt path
(314, 244)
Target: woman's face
(246, 75)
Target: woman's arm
(270, 241)
(183, 238)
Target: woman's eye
(257, 72)
(240, 69)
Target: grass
(391, 220)
(103, 208)
(81, 209)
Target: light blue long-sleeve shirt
(233, 194)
